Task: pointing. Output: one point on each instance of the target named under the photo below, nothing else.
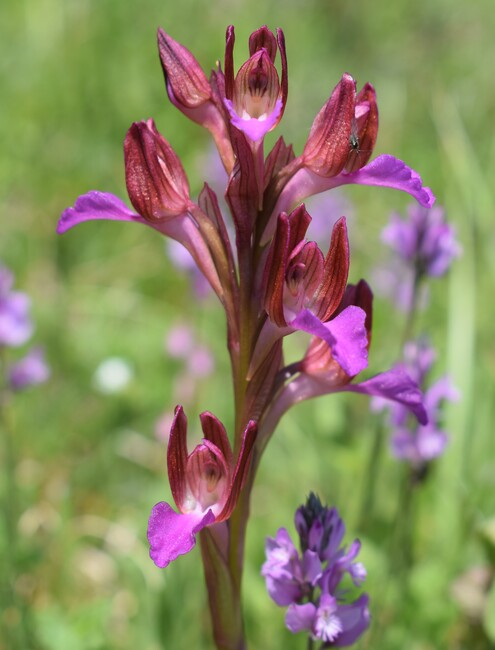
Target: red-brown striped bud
(155, 179)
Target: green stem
(403, 537)
(18, 636)
(412, 311)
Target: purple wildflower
(412, 442)
(289, 577)
(16, 326)
(29, 371)
(424, 241)
(310, 584)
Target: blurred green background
(87, 467)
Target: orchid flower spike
(205, 485)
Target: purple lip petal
(395, 385)
(388, 171)
(255, 129)
(345, 334)
(96, 205)
(171, 534)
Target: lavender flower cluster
(424, 246)
(412, 442)
(309, 583)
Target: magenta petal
(300, 617)
(96, 205)
(388, 171)
(345, 334)
(171, 534)
(254, 128)
(395, 385)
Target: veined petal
(395, 385)
(187, 85)
(155, 179)
(345, 335)
(327, 147)
(96, 205)
(171, 534)
(288, 235)
(366, 129)
(263, 38)
(335, 272)
(177, 457)
(240, 470)
(214, 431)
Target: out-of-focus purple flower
(395, 282)
(325, 210)
(200, 362)
(419, 444)
(289, 577)
(424, 241)
(334, 624)
(29, 371)
(310, 584)
(179, 341)
(16, 326)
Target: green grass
(87, 467)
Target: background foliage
(88, 467)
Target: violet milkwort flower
(424, 241)
(410, 442)
(205, 485)
(425, 245)
(310, 584)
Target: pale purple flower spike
(309, 584)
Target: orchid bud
(327, 148)
(187, 85)
(155, 179)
